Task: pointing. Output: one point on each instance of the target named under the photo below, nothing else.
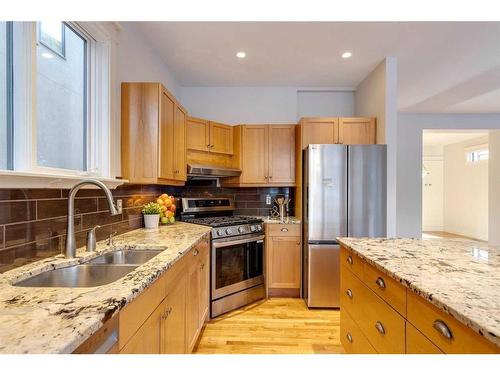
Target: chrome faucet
(70, 235)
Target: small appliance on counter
(344, 195)
(236, 253)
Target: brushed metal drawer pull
(349, 337)
(443, 329)
(380, 328)
(349, 293)
(284, 229)
(380, 282)
(349, 259)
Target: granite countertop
(288, 220)
(461, 277)
(58, 320)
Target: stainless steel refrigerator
(344, 195)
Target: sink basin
(82, 275)
(126, 257)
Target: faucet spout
(70, 251)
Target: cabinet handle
(202, 266)
(349, 259)
(443, 329)
(380, 282)
(349, 293)
(349, 337)
(211, 146)
(380, 327)
(196, 252)
(167, 312)
(284, 229)
(270, 176)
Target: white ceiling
(443, 138)
(442, 66)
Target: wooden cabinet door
(282, 154)
(180, 163)
(221, 138)
(357, 130)
(284, 262)
(166, 136)
(139, 132)
(204, 282)
(319, 131)
(173, 329)
(147, 340)
(254, 154)
(198, 134)
(193, 302)
(417, 343)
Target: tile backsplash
(33, 221)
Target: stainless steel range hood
(211, 171)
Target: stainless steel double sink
(101, 270)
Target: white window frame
(476, 149)
(101, 40)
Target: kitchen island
(59, 320)
(445, 292)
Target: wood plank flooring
(439, 234)
(273, 326)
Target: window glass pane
(61, 104)
(51, 34)
(3, 96)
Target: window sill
(34, 180)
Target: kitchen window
(5, 95)
(61, 101)
(477, 155)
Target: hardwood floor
(439, 234)
(274, 326)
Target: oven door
(237, 264)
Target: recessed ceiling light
(241, 55)
(47, 55)
(346, 55)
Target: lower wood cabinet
(283, 260)
(169, 316)
(377, 310)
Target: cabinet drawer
(351, 261)
(283, 230)
(386, 287)
(437, 325)
(381, 324)
(351, 337)
(416, 343)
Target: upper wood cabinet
(344, 130)
(153, 142)
(357, 130)
(209, 136)
(265, 154)
(319, 130)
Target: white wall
(433, 194)
(261, 105)
(494, 188)
(465, 191)
(376, 96)
(409, 162)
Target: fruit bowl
(168, 208)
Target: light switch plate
(268, 199)
(119, 205)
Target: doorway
(455, 184)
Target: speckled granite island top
(461, 277)
(58, 320)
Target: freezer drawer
(323, 276)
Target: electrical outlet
(119, 205)
(268, 199)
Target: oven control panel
(237, 230)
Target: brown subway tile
(132, 213)
(247, 197)
(14, 212)
(127, 202)
(2, 228)
(100, 218)
(17, 234)
(126, 226)
(257, 205)
(59, 207)
(247, 211)
(24, 194)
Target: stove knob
(241, 229)
(220, 233)
(228, 231)
(253, 228)
(259, 227)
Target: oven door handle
(217, 245)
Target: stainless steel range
(237, 252)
